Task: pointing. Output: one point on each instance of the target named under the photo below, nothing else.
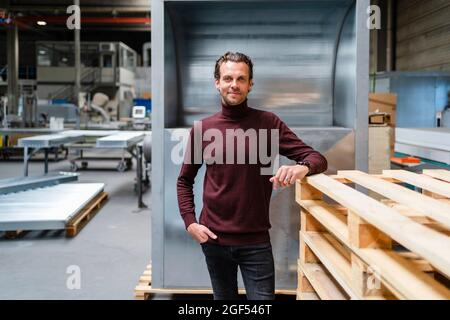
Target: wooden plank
(342, 248)
(366, 283)
(427, 243)
(337, 265)
(13, 234)
(421, 181)
(419, 263)
(75, 225)
(424, 42)
(422, 26)
(309, 222)
(324, 285)
(308, 296)
(408, 212)
(430, 207)
(410, 272)
(328, 216)
(303, 285)
(418, 216)
(408, 267)
(305, 191)
(408, 280)
(380, 142)
(440, 174)
(348, 181)
(419, 10)
(365, 235)
(148, 289)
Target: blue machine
(147, 103)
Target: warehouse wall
(423, 35)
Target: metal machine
(132, 143)
(107, 67)
(311, 61)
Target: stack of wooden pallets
(353, 246)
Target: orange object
(405, 160)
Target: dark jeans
(256, 265)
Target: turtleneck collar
(235, 112)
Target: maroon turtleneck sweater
(236, 196)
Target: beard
(233, 102)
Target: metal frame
(357, 138)
(27, 183)
(44, 142)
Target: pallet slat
(424, 241)
(410, 279)
(428, 206)
(78, 222)
(336, 264)
(440, 174)
(409, 282)
(422, 181)
(143, 289)
(323, 284)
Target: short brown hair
(234, 57)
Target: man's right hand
(200, 233)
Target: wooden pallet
(78, 222)
(74, 226)
(360, 248)
(144, 290)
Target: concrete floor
(111, 251)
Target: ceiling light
(42, 23)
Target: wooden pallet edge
(140, 290)
(79, 221)
(323, 216)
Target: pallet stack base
(357, 247)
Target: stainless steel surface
(120, 140)
(36, 131)
(91, 133)
(77, 55)
(311, 69)
(12, 50)
(147, 147)
(50, 140)
(292, 42)
(27, 183)
(284, 212)
(33, 209)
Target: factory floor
(111, 251)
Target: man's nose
(234, 84)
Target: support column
(12, 44)
(77, 60)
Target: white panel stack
(427, 143)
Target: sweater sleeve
(295, 149)
(185, 183)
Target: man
(234, 223)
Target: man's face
(234, 83)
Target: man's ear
(216, 83)
(251, 86)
